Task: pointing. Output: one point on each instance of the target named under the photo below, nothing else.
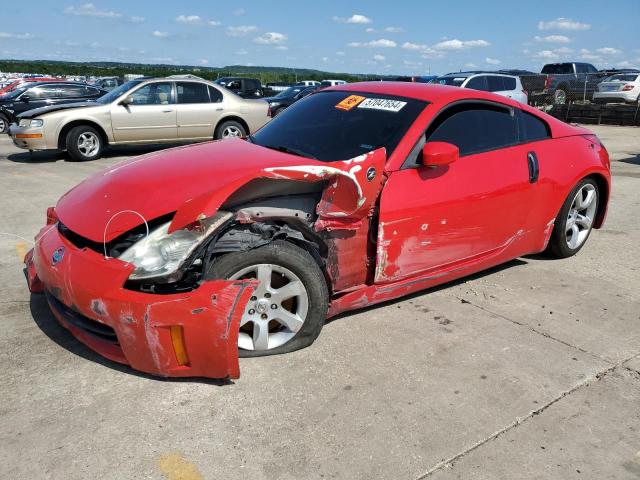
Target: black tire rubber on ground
(229, 123)
(300, 262)
(4, 125)
(72, 143)
(558, 243)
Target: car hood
(196, 178)
(36, 112)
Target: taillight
(627, 87)
(269, 112)
(52, 216)
(547, 82)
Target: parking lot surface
(529, 370)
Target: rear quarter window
(533, 128)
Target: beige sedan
(157, 110)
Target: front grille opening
(93, 328)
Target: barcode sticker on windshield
(382, 104)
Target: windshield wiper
(294, 151)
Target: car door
(197, 114)
(436, 218)
(148, 114)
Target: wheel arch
(603, 190)
(62, 136)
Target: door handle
(167, 111)
(534, 168)
(219, 109)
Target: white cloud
(628, 64)
(356, 18)
(411, 63)
(608, 51)
(189, 19)
(383, 42)
(282, 47)
(271, 38)
(385, 30)
(241, 30)
(552, 39)
(213, 23)
(546, 54)
(325, 59)
(379, 58)
(492, 61)
(586, 54)
(16, 36)
(90, 10)
(413, 46)
(563, 50)
(159, 34)
(456, 44)
(136, 19)
(561, 23)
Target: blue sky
(399, 37)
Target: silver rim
(3, 125)
(581, 215)
(277, 310)
(231, 131)
(88, 144)
(561, 97)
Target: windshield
(330, 126)
(453, 81)
(15, 92)
(116, 92)
(627, 77)
(290, 92)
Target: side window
(72, 91)
(215, 94)
(478, 83)
(92, 91)
(152, 94)
(234, 85)
(509, 83)
(581, 68)
(495, 83)
(44, 91)
(533, 128)
(191, 92)
(591, 69)
(475, 128)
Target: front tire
(575, 221)
(84, 143)
(4, 124)
(289, 307)
(230, 129)
(559, 97)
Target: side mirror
(439, 153)
(25, 98)
(127, 101)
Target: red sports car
(176, 261)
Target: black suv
(43, 94)
(244, 87)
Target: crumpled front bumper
(85, 292)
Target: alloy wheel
(277, 310)
(231, 131)
(88, 144)
(581, 216)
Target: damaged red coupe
(177, 261)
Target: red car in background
(22, 81)
(175, 261)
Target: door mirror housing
(435, 154)
(127, 100)
(25, 98)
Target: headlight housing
(162, 254)
(27, 122)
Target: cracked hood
(171, 180)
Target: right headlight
(28, 122)
(162, 254)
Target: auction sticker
(382, 104)
(349, 102)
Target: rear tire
(4, 124)
(574, 223)
(282, 258)
(84, 143)
(230, 129)
(559, 97)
